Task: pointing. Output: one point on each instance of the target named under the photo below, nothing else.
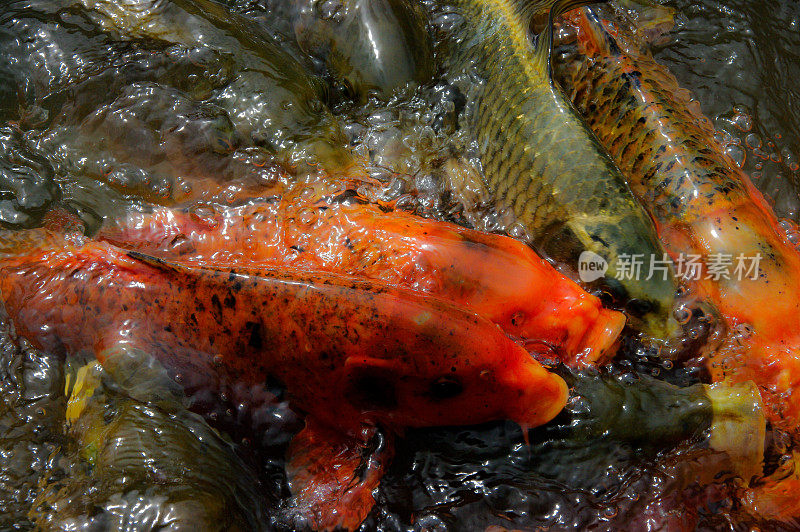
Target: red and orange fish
(355, 355)
(494, 276)
(704, 205)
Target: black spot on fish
(372, 389)
(217, 310)
(599, 239)
(256, 335)
(230, 301)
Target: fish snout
(535, 395)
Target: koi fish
(120, 443)
(539, 159)
(355, 356)
(493, 276)
(370, 45)
(703, 204)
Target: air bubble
(683, 315)
(753, 141)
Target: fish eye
(446, 387)
(518, 318)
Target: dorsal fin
(161, 264)
(544, 41)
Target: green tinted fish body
(148, 462)
(539, 159)
(273, 100)
(370, 45)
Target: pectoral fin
(332, 476)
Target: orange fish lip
(546, 410)
(601, 336)
(543, 394)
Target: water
(739, 59)
(104, 122)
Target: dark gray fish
(146, 463)
(371, 45)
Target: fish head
(649, 307)
(637, 274)
(434, 391)
(368, 44)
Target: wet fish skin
(352, 354)
(320, 334)
(372, 45)
(494, 276)
(702, 202)
(655, 414)
(541, 160)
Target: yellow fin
(87, 380)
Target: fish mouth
(539, 404)
(599, 341)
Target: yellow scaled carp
(538, 158)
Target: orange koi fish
(494, 276)
(354, 355)
(703, 204)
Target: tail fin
(649, 20)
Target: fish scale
(703, 202)
(540, 160)
(670, 184)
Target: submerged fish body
(540, 160)
(267, 92)
(352, 354)
(656, 414)
(703, 204)
(328, 329)
(372, 45)
(496, 277)
(117, 445)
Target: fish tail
(553, 9)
